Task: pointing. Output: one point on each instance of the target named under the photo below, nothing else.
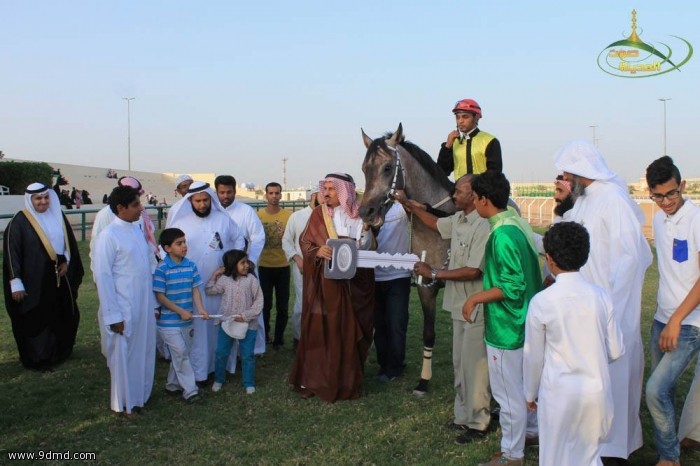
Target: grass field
(67, 410)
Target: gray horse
(392, 163)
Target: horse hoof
(421, 389)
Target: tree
(18, 175)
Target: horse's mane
(421, 156)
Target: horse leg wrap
(427, 372)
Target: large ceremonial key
(346, 259)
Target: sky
(234, 87)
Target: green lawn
(67, 410)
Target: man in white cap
(247, 220)
(618, 259)
(290, 243)
(209, 233)
(182, 184)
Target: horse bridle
(399, 180)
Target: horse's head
(381, 169)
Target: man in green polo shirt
(512, 277)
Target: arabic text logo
(634, 58)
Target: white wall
(9, 205)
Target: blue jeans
(224, 343)
(661, 386)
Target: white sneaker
(216, 387)
(250, 390)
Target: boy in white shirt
(675, 332)
(570, 336)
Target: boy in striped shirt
(176, 284)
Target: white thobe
(208, 238)
(346, 226)
(252, 229)
(102, 219)
(570, 335)
(617, 262)
(125, 287)
(174, 208)
(248, 221)
(290, 244)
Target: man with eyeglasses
(675, 332)
(617, 262)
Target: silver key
(346, 259)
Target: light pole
(593, 127)
(664, 101)
(128, 127)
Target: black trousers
(391, 324)
(277, 279)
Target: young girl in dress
(242, 301)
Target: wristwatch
(433, 274)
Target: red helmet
(467, 105)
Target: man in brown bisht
(337, 315)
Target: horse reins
(399, 182)
(435, 206)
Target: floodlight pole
(664, 101)
(595, 141)
(128, 127)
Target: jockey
(468, 149)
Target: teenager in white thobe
(125, 287)
(570, 335)
(208, 238)
(102, 220)
(618, 260)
